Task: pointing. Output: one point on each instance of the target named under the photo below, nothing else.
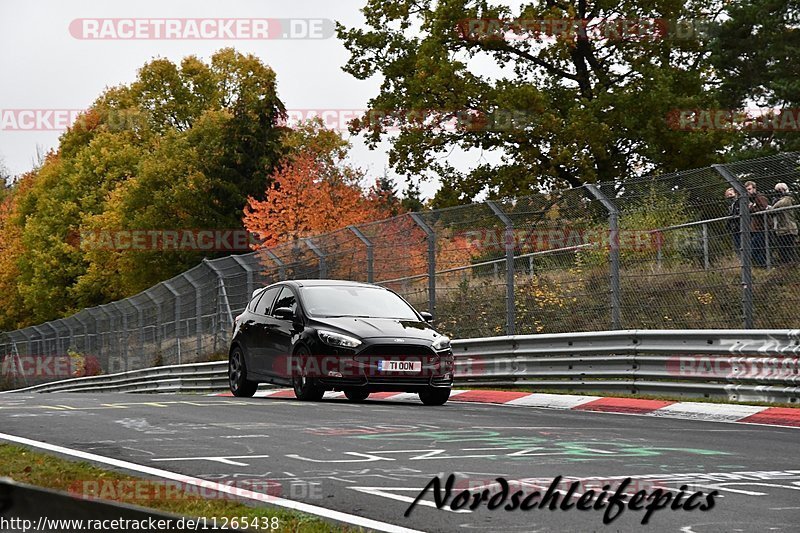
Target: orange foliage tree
(308, 197)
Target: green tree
(182, 147)
(755, 51)
(581, 109)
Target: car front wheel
(306, 388)
(237, 376)
(434, 396)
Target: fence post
(140, 321)
(430, 236)
(370, 255)
(613, 226)
(123, 338)
(87, 347)
(222, 291)
(198, 314)
(54, 346)
(177, 297)
(705, 247)
(766, 241)
(745, 243)
(101, 344)
(157, 325)
(279, 262)
(248, 271)
(323, 267)
(509, 247)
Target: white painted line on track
(236, 491)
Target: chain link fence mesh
(655, 252)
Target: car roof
(330, 283)
(299, 283)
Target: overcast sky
(44, 67)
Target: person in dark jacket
(758, 203)
(733, 223)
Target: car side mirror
(284, 313)
(426, 316)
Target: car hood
(366, 328)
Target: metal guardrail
(736, 365)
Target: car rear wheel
(306, 388)
(237, 376)
(434, 396)
(356, 395)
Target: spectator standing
(758, 230)
(733, 223)
(785, 225)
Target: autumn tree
(313, 191)
(182, 147)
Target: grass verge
(48, 471)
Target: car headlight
(337, 339)
(442, 343)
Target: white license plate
(399, 366)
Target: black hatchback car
(318, 335)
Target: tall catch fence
(657, 252)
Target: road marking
(389, 492)
(226, 460)
(228, 489)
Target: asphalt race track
(372, 459)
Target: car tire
(434, 396)
(356, 395)
(240, 386)
(306, 388)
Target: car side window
(264, 305)
(286, 299)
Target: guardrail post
(745, 243)
(177, 297)
(613, 226)
(370, 256)
(509, 247)
(323, 267)
(431, 238)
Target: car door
(258, 331)
(281, 332)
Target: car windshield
(364, 302)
